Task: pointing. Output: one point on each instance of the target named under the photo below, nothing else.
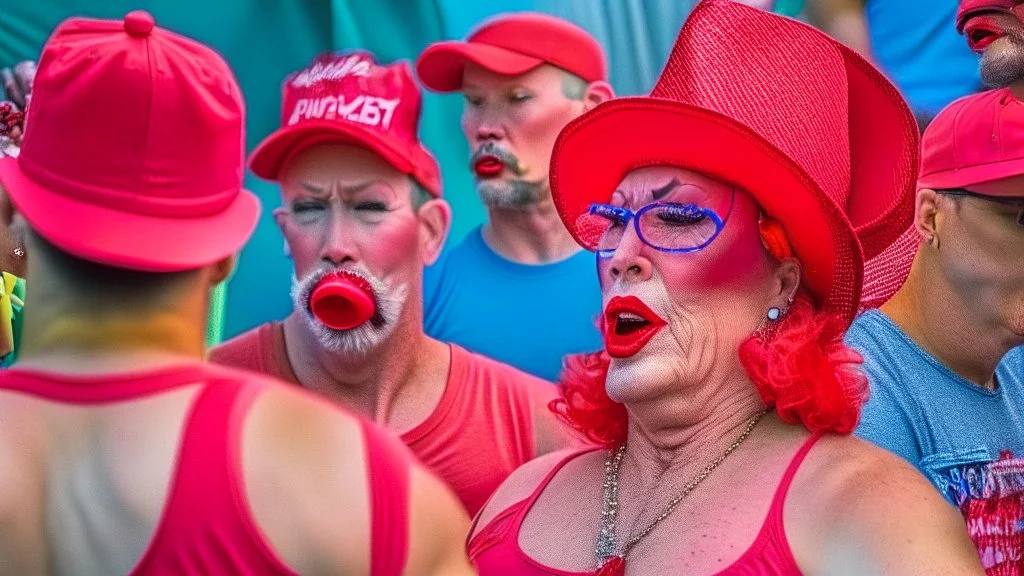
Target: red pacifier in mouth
(488, 166)
(342, 301)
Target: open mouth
(628, 326)
(488, 166)
(981, 32)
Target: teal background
(264, 40)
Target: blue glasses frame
(625, 215)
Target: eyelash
(300, 207)
(372, 206)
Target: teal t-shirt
(529, 316)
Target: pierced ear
(787, 276)
(926, 209)
(435, 223)
(597, 92)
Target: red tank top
(206, 527)
(480, 431)
(495, 549)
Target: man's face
(997, 33)
(345, 208)
(511, 123)
(709, 300)
(981, 252)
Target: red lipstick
(981, 31)
(628, 326)
(488, 166)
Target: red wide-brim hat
(817, 135)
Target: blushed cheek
(392, 248)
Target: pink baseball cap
(977, 142)
(514, 44)
(348, 97)
(970, 8)
(134, 154)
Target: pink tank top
(495, 549)
(206, 527)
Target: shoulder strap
(388, 475)
(202, 497)
(779, 500)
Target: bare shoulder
(305, 479)
(523, 482)
(306, 467)
(855, 508)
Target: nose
(628, 263)
(340, 245)
(488, 132)
(489, 127)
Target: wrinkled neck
(677, 434)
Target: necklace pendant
(614, 566)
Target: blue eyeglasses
(665, 226)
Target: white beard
(361, 340)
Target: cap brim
(268, 159)
(596, 151)
(970, 9)
(125, 239)
(977, 177)
(441, 65)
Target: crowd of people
(753, 322)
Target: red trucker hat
(348, 97)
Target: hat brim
(596, 151)
(269, 158)
(441, 65)
(969, 9)
(126, 239)
(973, 176)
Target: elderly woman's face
(684, 293)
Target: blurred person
(725, 397)
(361, 215)
(947, 383)
(122, 451)
(517, 289)
(994, 30)
(911, 41)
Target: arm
(843, 20)
(438, 526)
(874, 514)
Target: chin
(640, 377)
(1002, 63)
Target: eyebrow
(659, 193)
(321, 192)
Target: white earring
(774, 313)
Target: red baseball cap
(348, 97)
(969, 8)
(134, 155)
(513, 44)
(977, 142)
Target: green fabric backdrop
(264, 40)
